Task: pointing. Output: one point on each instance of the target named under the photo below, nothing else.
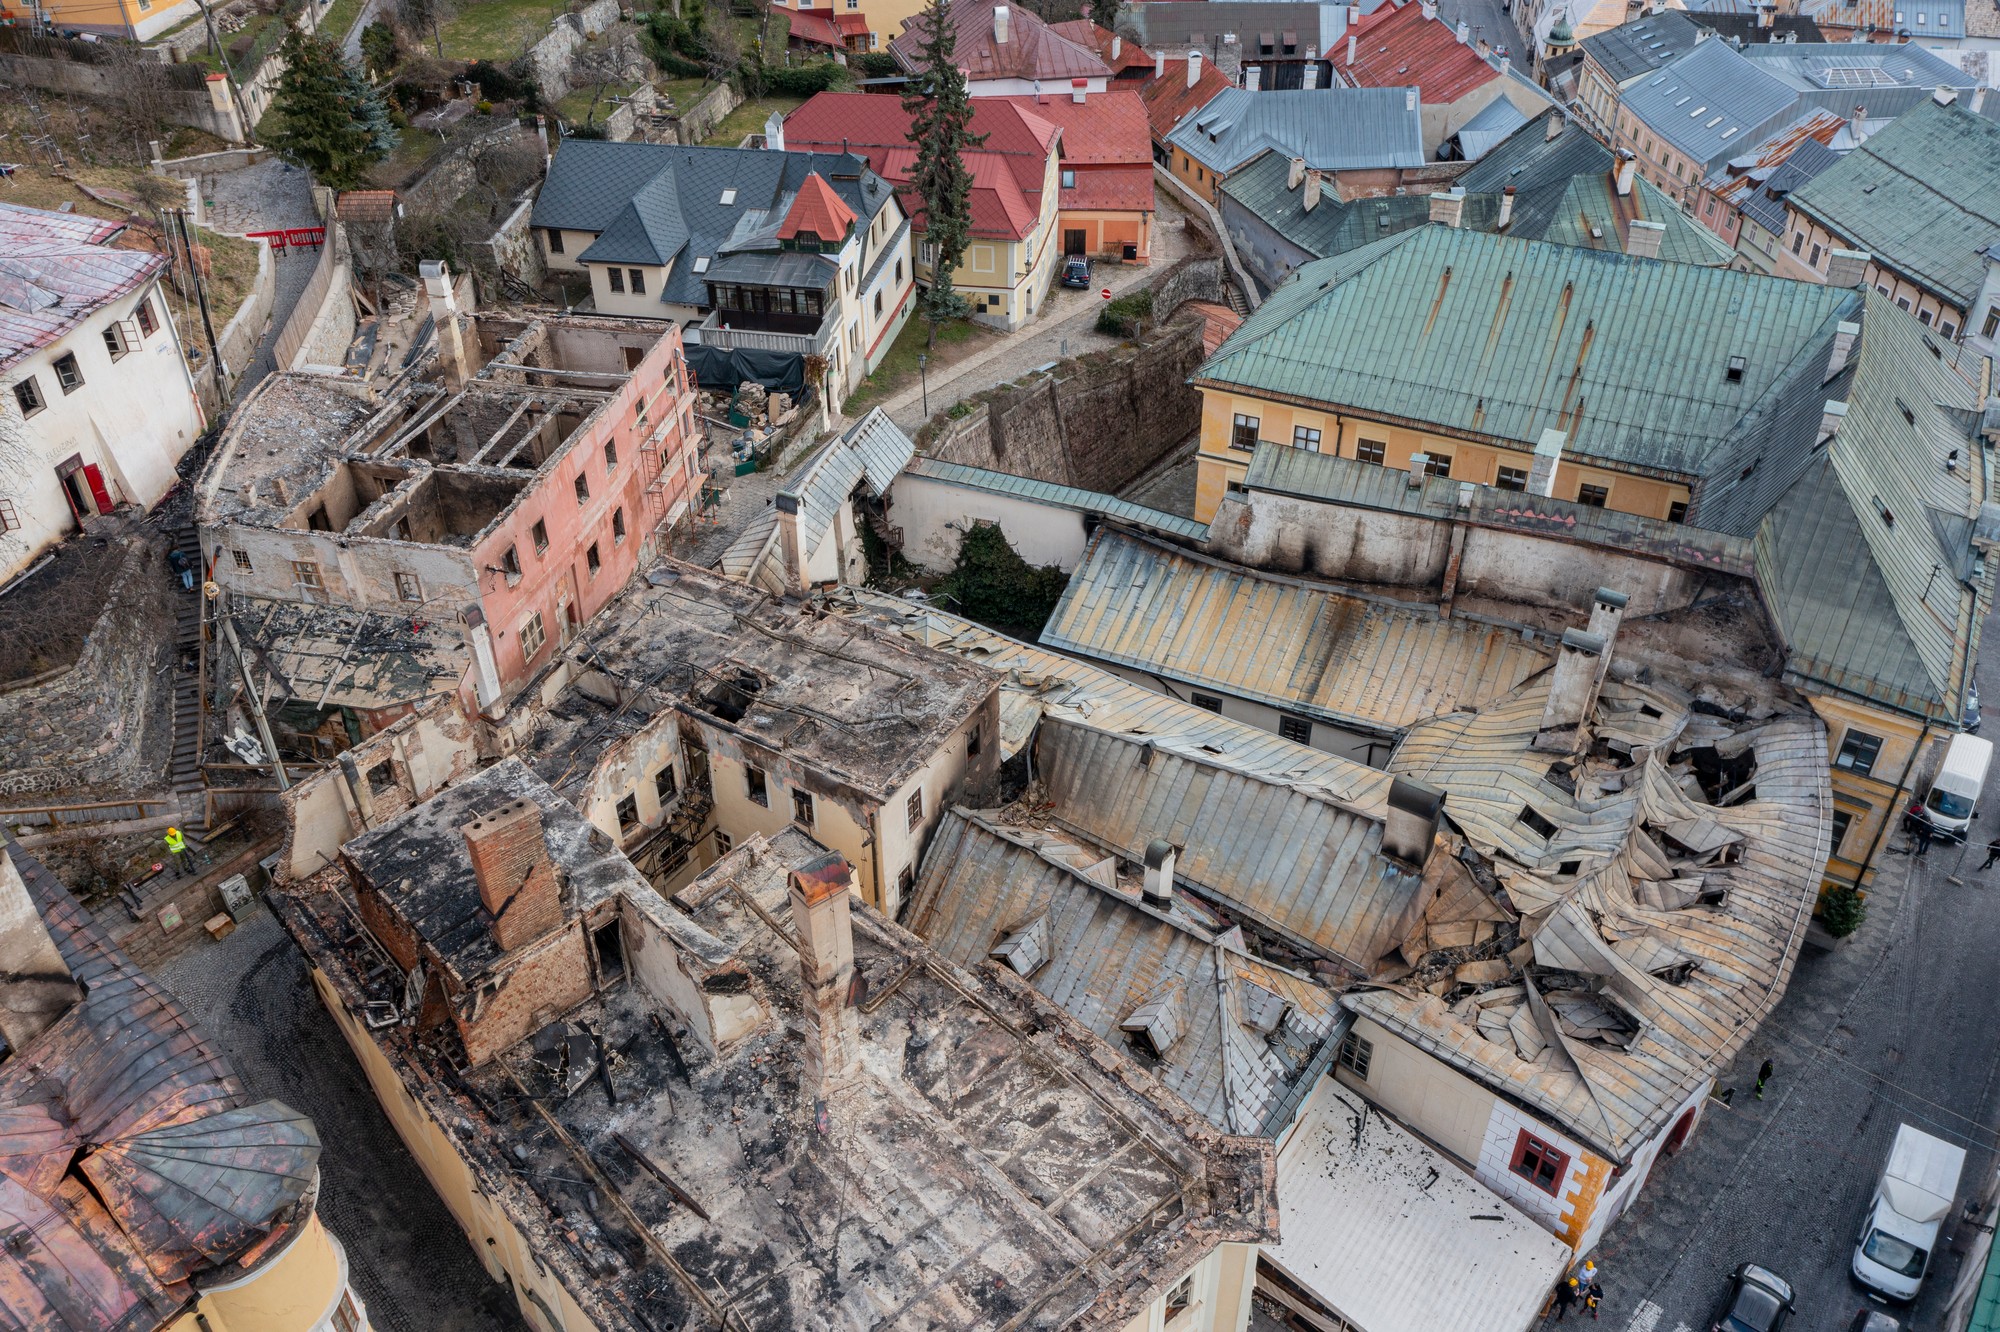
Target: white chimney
(1194, 68)
(1844, 335)
(1117, 45)
(1160, 64)
(1607, 612)
(821, 898)
(1429, 8)
(774, 132)
(1642, 239)
(1159, 882)
(1311, 200)
(1832, 416)
(1572, 690)
(1310, 75)
(1253, 78)
(1945, 96)
(1353, 15)
(1857, 126)
(1555, 129)
(1847, 268)
(1001, 19)
(1076, 89)
(1464, 33)
(1448, 206)
(1410, 830)
(1420, 463)
(1295, 173)
(1353, 42)
(444, 311)
(1506, 209)
(1628, 166)
(1542, 471)
(1409, 99)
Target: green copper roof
(1922, 196)
(1507, 338)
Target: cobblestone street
(264, 197)
(409, 1259)
(1900, 1026)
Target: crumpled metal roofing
(335, 656)
(1051, 492)
(1111, 953)
(126, 1090)
(1592, 1036)
(1306, 648)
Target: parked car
(1873, 1320)
(1758, 1300)
(1076, 272)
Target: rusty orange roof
(817, 211)
(1397, 47)
(366, 206)
(1170, 99)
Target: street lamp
(923, 359)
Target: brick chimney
(1847, 268)
(1002, 20)
(1448, 206)
(517, 884)
(1311, 199)
(824, 929)
(1844, 335)
(1295, 173)
(1642, 238)
(1572, 690)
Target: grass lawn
(954, 342)
(338, 19)
(749, 119)
(232, 270)
(578, 107)
(186, 141)
(406, 163)
(497, 30)
(682, 93)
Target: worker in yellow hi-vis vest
(177, 849)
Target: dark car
(1076, 272)
(1873, 1320)
(1758, 1300)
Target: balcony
(711, 333)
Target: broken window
(915, 808)
(116, 340)
(1154, 1025)
(975, 742)
(610, 948)
(382, 778)
(305, 577)
(722, 842)
(582, 488)
(756, 787)
(618, 527)
(1858, 752)
(1181, 1296)
(541, 535)
(1541, 1164)
(628, 813)
(68, 373)
(1357, 1053)
(510, 563)
(591, 561)
(532, 636)
(802, 808)
(610, 455)
(28, 397)
(665, 786)
(1843, 819)
(408, 588)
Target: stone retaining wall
(552, 59)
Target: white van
(1911, 1203)
(1955, 793)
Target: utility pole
(256, 703)
(201, 299)
(228, 74)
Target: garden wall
(551, 59)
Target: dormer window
(701, 263)
(1155, 1025)
(1026, 950)
(1263, 1011)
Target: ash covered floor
(409, 1260)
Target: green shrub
(500, 85)
(484, 108)
(379, 50)
(992, 584)
(1842, 910)
(803, 80)
(873, 65)
(1126, 316)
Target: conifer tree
(327, 118)
(1104, 13)
(941, 128)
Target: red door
(1682, 1128)
(98, 492)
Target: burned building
(698, 711)
(494, 496)
(757, 1104)
(141, 1187)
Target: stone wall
(1195, 279)
(1097, 423)
(457, 168)
(237, 344)
(513, 250)
(85, 728)
(699, 121)
(193, 108)
(552, 60)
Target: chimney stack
(1311, 200)
(1194, 68)
(1464, 32)
(1077, 88)
(1506, 209)
(1844, 335)
(1160, 63)
(1542, 471)
(1430, 9)
(1766, 16)
(824, 929)
(1410, 831)
(1978, 103)
(1253, 78)
(774, 132)
(1420, 466)
(1295, 173)
(1855, 126)
(444, 311)
(1159, 884)
(1447, 206)
(1001, 19)
(1572, 691)
(1554, 130)
(1628, 166)
(1831, 417)
(1944, 96)
(1117, 45)
(1409, 99)
(1353, 43)
(1607, 612)
(510, 862)
(1847, 268)
(1642, 238)
(1309, 77)
(35, 984)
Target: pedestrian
(177, 851)
(1567, 1294)
(1992, 854)
(1593, 1294)
(1585, 1275)
(1763, 1076)
(183, 567)
(1922, 833)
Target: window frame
(1306, 437)
(34, 393)
(1858, 752)
(408, 586)
(540, 533)
(636, 280)
(1535, 1159)
(534, 636)
(1244, 427)
(802, 809)
(1593, 496)
(1356, 1054)
(756, 785)
(1372, 451)
(306, 577)
(614, 277)
(1207, 703)
(143, 312)
(913, 810)
(666, 785)
(1298, 730)
(1510, 478)
(64, 381)
(628, 804)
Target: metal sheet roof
(1068, 497)
(1631, 49)
(873, 449)
(1490, 128)
(1333, 129)
(1922, 196)
(56, 270)
(1513, 337)
(1711, 103)
(1109, 953)
(1363, 1204)
(1362, 664)
(1639, 1034)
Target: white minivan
(1911, 1203)
(1955, 793)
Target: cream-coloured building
(101, 404)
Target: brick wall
(517, 884)
(551, 979)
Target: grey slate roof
(1068, 497)
(1866, 562)
(1333, 129)
(1109, 952)
(1519, 332)
(1711, 103)
(1632, 49)
(1172, 25)
(1922, 196)
(651, 203)
(1765, 205)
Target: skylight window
(1713, 122)
(729, 195)
(701, 263)
(1731, 130)
(1697, 113)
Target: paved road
(1902, 1026)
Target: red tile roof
(815, 28)
(1131, 56)
(1032, 49)
(818, 211)
(1106, 141)
(366, 205)
(1397, 47)
(56, 269)
(1170, 99)
(1008, 170)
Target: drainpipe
(1895, 805)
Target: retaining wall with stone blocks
(84, 729)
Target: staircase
(1234, 295)
(184, 770)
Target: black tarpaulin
(720, 370)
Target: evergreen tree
(1104, 13)
(327, 118)
(941, 128)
